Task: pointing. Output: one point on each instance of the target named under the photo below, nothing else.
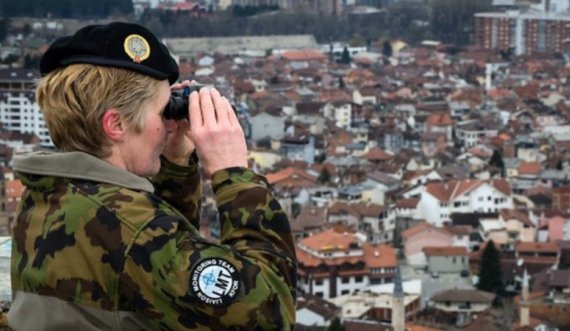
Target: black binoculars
(177, 108)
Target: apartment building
(333, 263)
(528, 32)
(18, 108)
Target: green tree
(387, 48)
(341, 84)
(324, 176)
(490, 274)
(497, 161)
(345, 57)
(336, 325)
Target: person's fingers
(232, 118)
(195, 112)
(207, 107)
(220, 108)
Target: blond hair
(73, 100)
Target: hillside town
(408, 172)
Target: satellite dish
(520, 262)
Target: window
(343, 292)
(345, 280)
(319, 294)
(358, 279)
(318, 282)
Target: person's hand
(179, 145)
(216, 132)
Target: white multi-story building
(440, 199)
(333, 263)
(18, 108)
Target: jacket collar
(79, 165)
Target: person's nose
(170, 126)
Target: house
(291, 177)
(518, 225)
(432, 143)
(462, 301)
(472, 132)
(335, 262)
(314, 311)
(366, 217)
(369, 306)
(440, 123)
(340, 112)
(528, 176)
(441, 199)
(447, 259)
(299, 148)
(311, 219)
(266, 125)
(423, 235)
(561, 198)
(547, 252)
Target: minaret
(398, 308)
(524, 309)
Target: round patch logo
(137, 48)
(215, 281)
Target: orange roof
(445, 251)
(441, 119)
(449, 190)
(330, 240)
(374, 256)
(379, 256)
(416, 327)
(14, 188)
(377, 154)
(551, 247)
(529, 168)
(303, 55)
(422, 227)
(287, 173)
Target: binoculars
(177, 108)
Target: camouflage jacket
(96, 247)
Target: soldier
(99, 246)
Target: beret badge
(137, 48)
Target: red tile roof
(422, 227)
(14, 189)
(449, 190)
(303, 55)
(441, 119)
(529, 168)
(445, 251)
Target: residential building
(335, 263)
(266, 125)
(423, 235)
(380, 303)
(470, 133)
(447, 259)
(463, 301)
(525, 32)
(18, 108)
(441, 199)
(314, 311)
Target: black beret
(123, 45)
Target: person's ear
(113, 125)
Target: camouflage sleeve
(181, 187)
(179, 281)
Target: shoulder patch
(214, 281)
